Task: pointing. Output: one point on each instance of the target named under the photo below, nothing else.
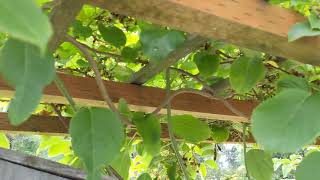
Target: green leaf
(80, 30)
(203, 170)
(259, 164)
(149, 129)
(172, 171)
(293, 82)
(113, 35)
(122, 164)
(246, 73)
(97, 137)
(124, 109)
(207, 64)
(24, 20)
(4, 142)
(129, 54)
(309, 168)
(212, 164)
(287, 121)
(219, 134)
(314, 21)
(190, 128)
(158, 43)
(23, 67)
(301, 29)
(144, 176)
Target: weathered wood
(153, 68)
(85, 92)
(52, 125)
(11, 171)
(42, 165)
(253, 24)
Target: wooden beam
(192, 43)
(43, 165)
(145, 99)
(253, 24)
(52, 125)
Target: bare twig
(98, 77)
(211, 95)
(176, 93)
(171, 135)
(117, 57)
(61, 118)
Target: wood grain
(40, 167)
(51, 125)
(145, 99)
(252, 24)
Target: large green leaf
(293, 82)
(301, 29)
(219, 134)
(259, 164)
(246, 73)
(4, 142)
(26, 69)
(158, 43)
(172, 171)
(122, 164)
(149, 129)
(113, 35)
(97, 137)
(309, 168)
(190, 128)
(314, 21)
(287, 121)
(123, 108)
(129, 54)
(24, 20)
(144, 176)
(207, 63)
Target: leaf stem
(171, 135)
(98, 77)
(65, 93)
(244, 129)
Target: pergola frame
(252, 24)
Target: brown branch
(98, 77)
(181, 91)
(60, 117)
(117, 57)
(212, 93)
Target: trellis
(252, 24)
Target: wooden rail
(145, 99)
(52, 125)
(253, 24)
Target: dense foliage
(101, 43)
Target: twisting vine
(169, 121)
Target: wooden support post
(145, 99)
(253, 24)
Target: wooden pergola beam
(52, 125)
(253, 24)
(145, 99)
